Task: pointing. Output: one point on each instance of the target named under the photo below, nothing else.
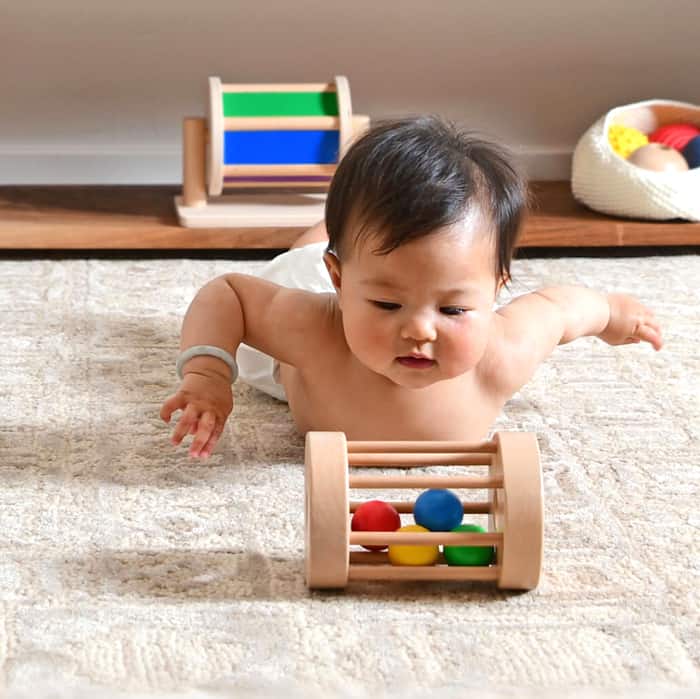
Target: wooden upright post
(193, 144)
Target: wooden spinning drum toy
(268, 136)
(514, 507)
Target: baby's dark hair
(406, 178)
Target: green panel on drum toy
(280, 104)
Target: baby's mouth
(416, 362)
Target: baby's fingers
(651, 321)
(651, 334)
(205, 429)
(209, 446)
(170, 405)
(184, 424)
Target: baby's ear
(333, 266)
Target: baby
(392, 332)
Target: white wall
(94, 91)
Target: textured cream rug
(127, 570)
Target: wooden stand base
(242, 210)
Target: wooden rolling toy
(514, 506)
(274, 138)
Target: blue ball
(691, 152)
(438, 510)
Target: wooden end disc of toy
(327, 521)
(215, 145)
(342, 89)
(518, 510)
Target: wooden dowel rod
(426, 538)
(369, 557)
(424, 447)
(380, 557)
(313, 187)
(441, 573)
(406, 507)
(270, 87)
(276, 170)
(404, 459)
(425, 482)
(319, 123)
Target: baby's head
(414, 177)
(422, 221)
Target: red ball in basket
(674, 135)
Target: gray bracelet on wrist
(210, 351)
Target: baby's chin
(414, 379)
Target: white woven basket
(604, 181)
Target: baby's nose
(420, 329)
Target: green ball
(468, 555)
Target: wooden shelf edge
(103, 218)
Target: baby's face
(421, 313)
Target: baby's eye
(386, 305)
(453, 310)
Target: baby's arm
(532, 325)
(229, 310)
(618, 319)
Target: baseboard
(546, 164)
(33, 165)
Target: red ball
(375, 516)
(674, 135)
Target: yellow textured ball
(625, 139)
(400, 555)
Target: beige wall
(95, 91)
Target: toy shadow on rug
(224, 576)
(186, 575)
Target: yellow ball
(625, 139)
(400, 555)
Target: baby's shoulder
(520, 339)
(493, 369)
(318, 310)
(320, 319)
(289, 324)
(324, 306)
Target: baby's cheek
(375, 339)
(465, 352)
(467, 346)
(365, 339)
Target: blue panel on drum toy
(281, 147)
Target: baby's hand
(205, 402)
(631, 322)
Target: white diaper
(300, 268)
